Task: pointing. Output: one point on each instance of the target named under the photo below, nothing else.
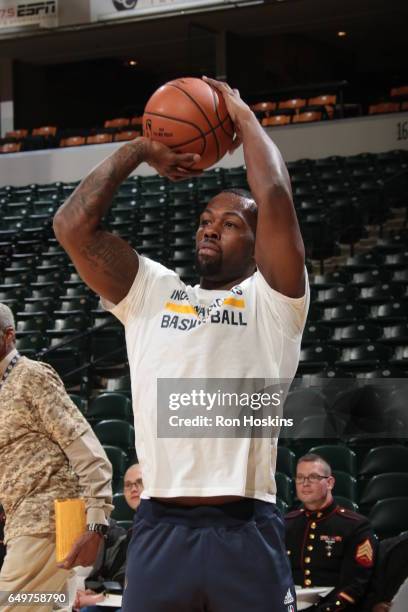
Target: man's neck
(222, 285)
(320, 505)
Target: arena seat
(11, 147)
(292, 104)
(284, 488)
(276, 120)
(115, 432)
(72, 141)
(119, 461)
(99, 138)
(383, 486)
(340, 457)
(126, 135)
(110, 406)
(286, 461)
(307, 116)
(345, 486)
(387, 458)
(282, 506)
(46, 130)
(119, 122)
(17, 134)
(383, 107)
(388, 517)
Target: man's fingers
(220, 85)
(237, 142)
(188, 171)
(187, 158)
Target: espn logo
(37, 8)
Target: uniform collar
(321, 513)
(4, 362)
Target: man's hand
(176, 166)
(84, 551)
(237, 109)
(87, 598)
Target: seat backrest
(323, 100)
(45, 130)
(99, 138)
(293, 103)
(383, 486)
(286, 461)
(384, 107)
(388, 517)
(399, 91)
(387, 458)
(338, 457)
(118, 122)
(126, 135)
(11, 147)
(110, 405)
(346, 485)
(307, 117)
(74, 141)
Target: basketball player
(207, 534)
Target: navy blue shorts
(227, 558)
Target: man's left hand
(237, 109)
(83, 552)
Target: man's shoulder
(295, 514)
(38, 368)
(350, 515)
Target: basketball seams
(221, 121)
(211, 131)
(202, 134)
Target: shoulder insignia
(365, 553)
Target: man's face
(133, 486)
(316, 489)
(7, 341)
(225, 239)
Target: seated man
(111, 562)
(328, 546)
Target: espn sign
(15, 14)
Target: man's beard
(208, 268)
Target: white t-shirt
(250, 331)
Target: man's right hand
(175, 166)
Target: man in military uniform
(47, 451)
(328, 546)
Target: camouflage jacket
(37, 421)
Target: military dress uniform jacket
(331, 547)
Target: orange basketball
(189, 116)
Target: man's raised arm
(279, 249)
(106, 263)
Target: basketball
(189, 116)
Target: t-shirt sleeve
(131, 305)
(290, 312)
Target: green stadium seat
(284, 487)
(118, 459)
(387, 458)
(345, 486)
(339, 457)
(384, 486)
(388, 517)
(115, 432)
(282, 506)
(79, 402)
(286, 461)
(110, 406)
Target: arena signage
(106, 10)
(23, 13)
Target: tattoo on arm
(110, 254)
(92, 198)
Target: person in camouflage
(47, 451)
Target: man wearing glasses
(328, 546)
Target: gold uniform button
(312, 536)
(338, 603)
(307, 572)
(308, 582)
(288, 551)
(313, 525)
(310, 547)
(307, 559)
(319, 514)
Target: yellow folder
(70, 524)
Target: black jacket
(331, 547)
